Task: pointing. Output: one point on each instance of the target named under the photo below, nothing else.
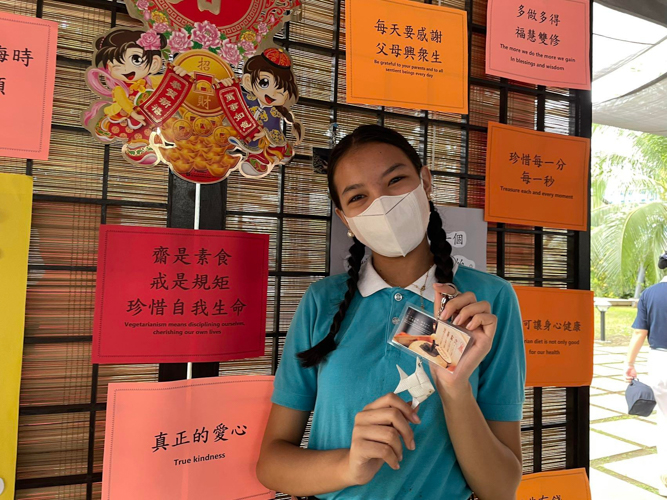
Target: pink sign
(544, 42)
(27, 76)
(191, 439)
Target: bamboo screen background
(63, 396)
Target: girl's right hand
(630, 373)
(376, 437)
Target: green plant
(629, 231)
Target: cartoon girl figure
(127, 66)
(269, 90)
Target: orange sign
(555, 485)
(558, 336)
(27, 76)
(545, 42)
(407, 54)
(187, 439)
(536, 179)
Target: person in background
(651, 322)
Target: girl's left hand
(474, 316)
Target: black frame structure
(555, 419)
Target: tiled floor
(623, 455)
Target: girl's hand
(180, 71)
(259, 134)
(227, 82)
(474, 316)
(376, 438)
(630, 373)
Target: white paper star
(418, 384)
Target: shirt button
(398, 297)
(395, 321)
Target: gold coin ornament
(196, 104)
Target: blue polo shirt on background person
(363, 368)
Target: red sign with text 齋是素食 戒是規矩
(169, 295)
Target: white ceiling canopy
(630, 64)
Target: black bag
(640, 398)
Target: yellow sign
(407, 54)
(15, 211)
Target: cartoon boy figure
(269, 90)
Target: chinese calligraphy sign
(27, 77)
(544, 42)
(555, 485)
(178, 116)
(190, 439)
(558, 336)
(406, 54)
(176, 295)
(536, 178)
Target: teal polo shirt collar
(371, 282)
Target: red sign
(167, 98)
(175, 295)
(237, 111)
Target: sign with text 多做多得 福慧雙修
(544, 42)
(169, 295)
(407, 54)
(536, 178)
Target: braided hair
(440, 247)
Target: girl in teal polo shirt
(365, 441)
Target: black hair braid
(440, 247)
(317, 353)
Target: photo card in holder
(439, 342)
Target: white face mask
(393, 226)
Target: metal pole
(196, 226)
(602, 326)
